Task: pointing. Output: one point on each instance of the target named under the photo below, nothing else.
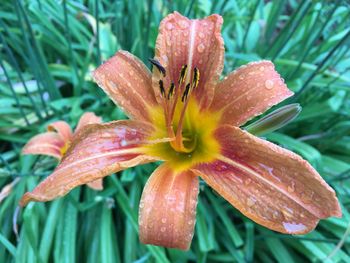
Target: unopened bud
(275, 120)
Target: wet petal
(196, 43)
(48, 143)
(62, 128)
(249, 91)
(168, 208)
(128, 83)
(87, 118)
(273, 186)
(96, 185)
(97, 151)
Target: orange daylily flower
(58, 138)
(184, 115)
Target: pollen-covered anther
(161, 88)
(195, 80)
(183, 74)
(171, 90)
(185, 94)
(159, 66)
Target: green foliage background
(47, 51)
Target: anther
(171, 90)
(195, 79)
(184, 95)
(161, 87)
(159, 66)
(183, 74)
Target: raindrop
(162, 229)
(201, 35)
(169, 26)
(293, 227)
(183, 24)
(287, 212)
(165, 60)
(269, 84)
(163, 220)
(291, 187)
(200, 48)
(251, 201)
(261, 68)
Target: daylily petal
(273, 186)
(195, 43)
(249, 91)
(128, 83)
(48, 143)
(62, 128)
(96, 185)
(87, 118)
(97, 151)
(168, 208)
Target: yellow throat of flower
(180, 118)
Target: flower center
(181, 119)
(174, 101)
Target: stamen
(171, 90)
(183, 74)
(161, 87)
(159, 66)
(195, 80)
(185, 94)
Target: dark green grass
(47, 51)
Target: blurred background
(47, 52)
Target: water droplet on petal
(201, 35)
(163, 220)
(291, 187)
(183, 24)
(165, 60)
(162, 229)
(169, 26)
(261, 68)
(200, 48)
(269, 84)
(293, 227)
(251, 201)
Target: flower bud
(275, 120)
